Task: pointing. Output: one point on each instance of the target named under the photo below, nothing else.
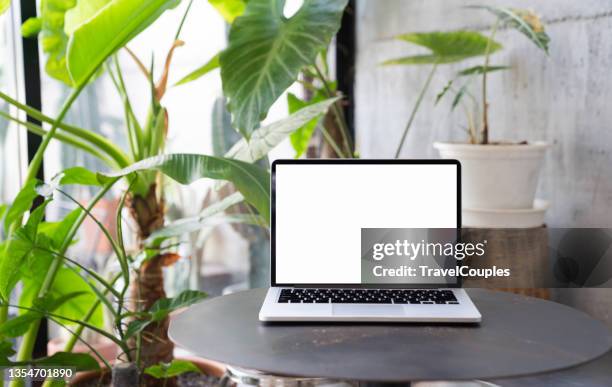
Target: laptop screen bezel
(273, 282)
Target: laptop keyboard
(367, 296)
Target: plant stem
(38, 156)
(95, 139)
(485, 104)
(340, 119)
(76, 334)
(70, 140)
(330, 140)
(415, 109)
(27, 343)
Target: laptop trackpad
(367, 310)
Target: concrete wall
(565, 98)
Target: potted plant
(496, 174)
(76, 62)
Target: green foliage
(169, 370)
(266, 52)
(300, 138)
(4, 6)
(39, 308)
(22, 203)
(524, 21)
(208, 217)
(80, 176)
(463, 89)
(252, 181)
(162, 308)
(83, 10)
(49, 25)
(6, 351)
(80, 361)
(20, 250)
(212, 64)
(229, 9)
(445, 47)
(111, 28)
(268, 137)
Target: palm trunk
(148, 287)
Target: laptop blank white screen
(321, 208)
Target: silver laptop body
(320, 212)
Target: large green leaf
(445, 47)
(4, 6)
(172, 369)
(19, 325)
(50, 28)
(17, 250)
(83, 10)
(206, 218)
(110, 29)
(524, 21)
(266, 52)
(268, 137)
(301, 137)
(252, 181)
(229, 9)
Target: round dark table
(518, 336)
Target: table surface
(518, 336)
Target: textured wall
(565, 98)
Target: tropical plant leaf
(79, 176)
(223, 134)
(31, 27)
(163, 307)
(300, 138)
(460, 93)
(169, 370)
(252, 181)
(187, 225)
(268, 137)
(136, 326)
(19, 325)
(6, 351)
(50, 28)
(111, 28)
(69, 282)
(212, 64)
(266, 52)
(17, 250)
(445, 47)
(524, 21)
(79, 361)
(229, 9)
(83, 10)
(4, 6)
(480, 70)
(22, 203)
(207, 218)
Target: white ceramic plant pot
(497, 176)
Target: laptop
(330, 219)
